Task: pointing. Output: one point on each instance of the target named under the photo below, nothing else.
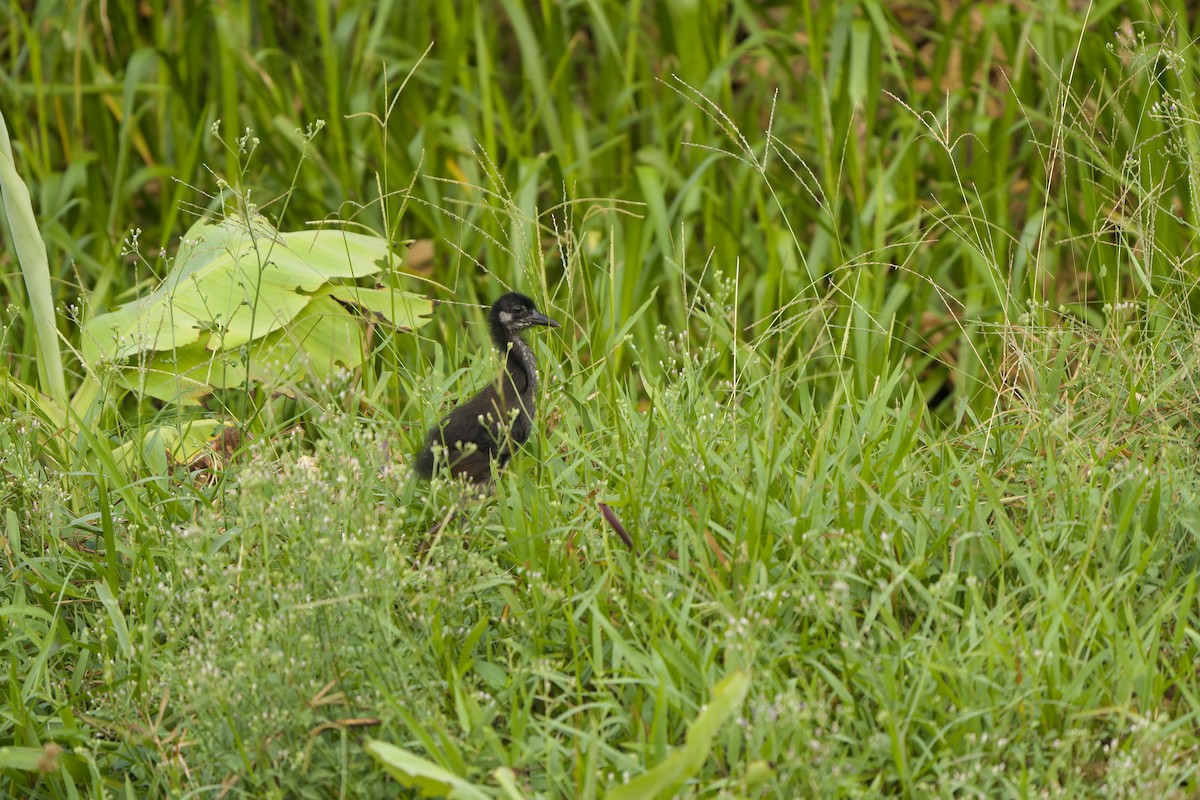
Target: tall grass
(880, 324)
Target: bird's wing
(483, 421)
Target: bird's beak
(539, 318)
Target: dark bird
(494, 423)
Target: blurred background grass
(918, 171)
(881, 340)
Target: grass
(879, 335)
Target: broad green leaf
(138, 328)
(232, 282)
(680, 765)
(318, 256)
(323, 336)
(26, 759)
(243, 301)
(427, 778)
(48, 759)
(406, 310)
(35, 269)
(183, 377)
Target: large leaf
(670, 773)
(244, 301)
(322, 336)
(233, 282)
(403, 309)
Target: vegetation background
(880, 340)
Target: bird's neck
(519, 362)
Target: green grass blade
(31, 252)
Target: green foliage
(429, 779)
(678, 767)
(242, 301)
(880, 338)
(22, 230)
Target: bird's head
(515, 312)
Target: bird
(494, 423)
